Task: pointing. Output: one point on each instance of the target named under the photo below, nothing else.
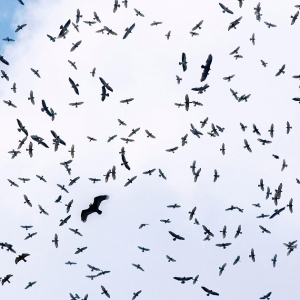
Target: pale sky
(144, 67)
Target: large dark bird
(93, 207)
(206, 68)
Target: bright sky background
(144, 67)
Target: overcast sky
(144, 67)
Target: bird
(93, 207)
(19, 27)
(168, 35)
(197, 26)
(165, 221)
(105, 84)
(224, 231)
(290, 205)
(252, 255)
(225, 9)
(207, 231)
(64, 221)
(73, 64)
(78, 16)
(234, 23)
(206, 68)
(143, 225)
(238, 232)
(3, 60)
(216, 175)
(128, 31)
(170, 259)
(21, 257)
(96, 17)
(138, 266)
(75, 231)
(42, 211)
(264, 229)
(154, 23)
(267, 296)
(294, 17)
(52, 39)
(236, 260)
(288, 127)
(247, 146)
(90, 23)
(221, 269)
(30, 284)
(55, 241)
(80, 250)
(183, 62)
(228, 78)
(223, 245)
(26, 226)
(270, 24)
(209, 292)
(136, 293)
(74, 86)
(149, 134)
(183, 279)
(105, 292)
(284, 165)
(6, 279)
(274, 260)
(70, 263)
(143, 248)
(149, 172)
(280, 71)
(91, 139)
(172, 149)
(161, 174)
(192, 213)
(76, 104)
(62, 187)
(176, 236)
(30, 235)
(263, 63)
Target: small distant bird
(253, 39)
(143, 225)
(183, 279)
(209, 292)
(30, 284)
(19, 27)
(176, 236)
(267, 296)
(274, 260)
(138, 266)
(263, 63)
(75, 45)
(280, 71)
(170, 259)
(183, 62)
(137, 293)
(79, 250)
(270, 24)
(143, 249)
(55, 241)
(252, 255)
(168, 35)
(104, 291)
(264, 229)
(197, 26)
(221, 269)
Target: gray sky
(143, 67)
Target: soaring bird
(183, 62)
(21, 257)
(209, 292)
(93, 207)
